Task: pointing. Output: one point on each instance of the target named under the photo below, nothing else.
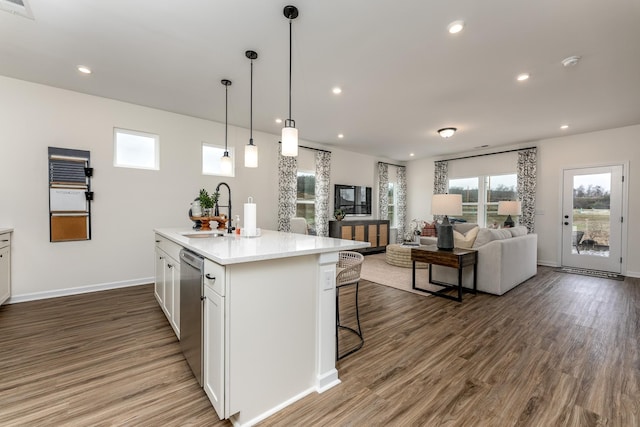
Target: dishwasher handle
(193, 259)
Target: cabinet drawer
(170, 248)
(214, 276)
(5, 240)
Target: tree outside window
(306, 198)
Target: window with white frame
(134, 149)
(211, 159)
(481, 194)
(306, 197)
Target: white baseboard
(632, 274)
(80, 290)
(548, 263)
(327, 381)
(266, 414)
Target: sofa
(506, 257)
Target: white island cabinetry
(167, 285)
(269, 318)
(5, 264)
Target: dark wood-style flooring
(558, 350)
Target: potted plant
(207, 202)
(339, 214)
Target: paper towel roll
(250, 218)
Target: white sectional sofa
(506, 258)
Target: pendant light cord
(226, 112)
(251, 108)
(290, 68)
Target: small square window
(211, 164)
(134, 149)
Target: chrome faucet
(217, 210)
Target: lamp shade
(446, 204)
(289, 141)
(250, 156)
(226, 164)
(510, 207)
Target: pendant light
(250, 150)
(289, 131)
(226, 164)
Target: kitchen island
(269, 315)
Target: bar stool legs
(357, 332)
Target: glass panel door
(592, 218)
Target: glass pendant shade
(289, 141)
(226, 164)
(250, 156)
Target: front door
(592, 218)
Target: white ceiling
(403, 75)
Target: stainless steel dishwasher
(191, 310)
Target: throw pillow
(430, 229)
(465, 241)
(520, 230)
(487, 235)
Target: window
(134, 149)
(480, 197)
(211, 155)
(306, 198)
(391, 208)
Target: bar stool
(349, 266)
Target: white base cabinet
(5, 266)
(167, 284)
(213, 382)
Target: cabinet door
(170, 279)
(346, 232)
(5, 274)
(158, 290)
(175, 285)
(372, 234)
(358, 232)
(213, 383)
(383, 234)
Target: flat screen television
(353, 199)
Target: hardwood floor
(559, 350)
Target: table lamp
(446, 204)
(510, 207)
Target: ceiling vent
(17, 7)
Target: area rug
(375, 269)
(592, 273)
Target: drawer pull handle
(210, 277)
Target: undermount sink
(203, 234)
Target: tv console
(373, 231)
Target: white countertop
(234, 249)
(5, 230)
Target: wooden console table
(456, 258)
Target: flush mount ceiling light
(523, 76)
(250, 150)
(571, 61)
(84, 69)
(447, 132)
(289, 131)
(455, 27)
(226, 164)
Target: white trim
(271, 411)
(327, 380)
(80, 290)
(548, 263)
(633, 274)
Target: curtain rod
(486, 154)
(310, 148)
(391, 164)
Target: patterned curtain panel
(527, 166)
(287, 187)
(402, 200)
(440, 181)
(383, 190)
(323, 174)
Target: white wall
(614, 146)
(128, 203)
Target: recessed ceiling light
(455, 27)
(564, 127)
(84, 69)
(570, 61)
(522, 77)
(411, 154)
(278, 120)
(336, 90)
(447, 132)
(340, 135)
